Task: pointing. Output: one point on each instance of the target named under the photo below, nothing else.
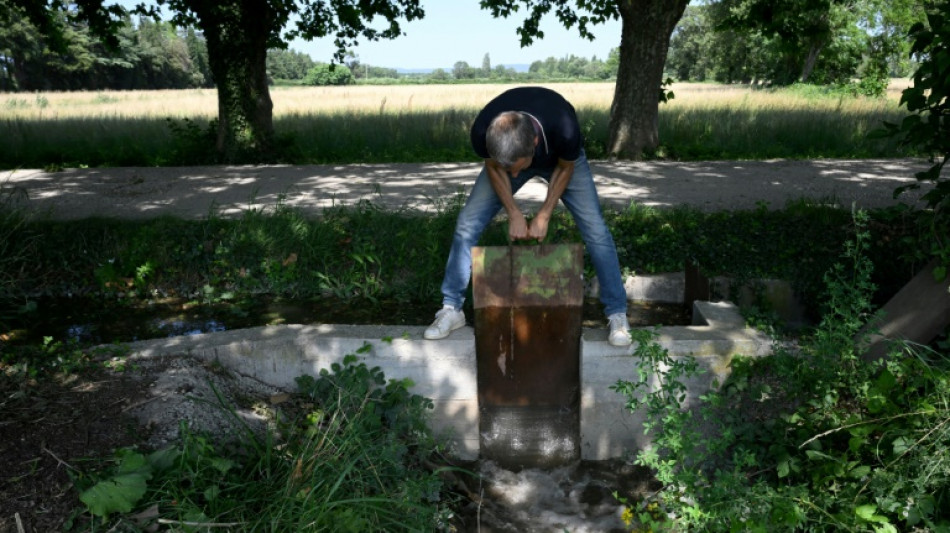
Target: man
(523, 133)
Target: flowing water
(578, 497)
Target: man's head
(511, 138)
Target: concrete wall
(445, 371)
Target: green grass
(369, 255)
(404, 137)
(775, 133)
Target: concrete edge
(445, 370)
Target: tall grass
(428, 123)
(770, 124)
(357, 455)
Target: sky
(459, 30)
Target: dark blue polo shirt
(560, 133)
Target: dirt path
(193, 192)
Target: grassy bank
(366, 124)
(371, 256)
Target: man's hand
(556, 185)
(517, 227)
(539, 227)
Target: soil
(53, 429)
(50, 428)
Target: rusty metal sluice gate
(528, 304)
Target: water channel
(93, 321)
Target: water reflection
(177, 327)
(101, 321)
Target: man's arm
(559, 179)
(498, 177)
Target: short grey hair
(510, 137)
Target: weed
(17, 245)
(49, 358)
(17, 103)
(354, 461)
(369, 255)
(193, 143)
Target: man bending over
(523, 133)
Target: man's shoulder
(529, 93)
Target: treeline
(150, 55)
(288, 66)
(728, 41)
(157, 55)
(780, 43)
(568, 67)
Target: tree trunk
(644, 42)
(237, 53)
(810, 60)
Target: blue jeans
(581, 200)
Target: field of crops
(359, 99)
(428, 123)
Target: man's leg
(482, 205)
(479, 209)
(582, 201)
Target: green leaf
(865, 512)
(940, 273)
(212, 492)
(130, 461)
(856, 443)
(163, 459)
(785, 467)
(815, 455)
(860, 472)
(868, 513)
(222, 465)
(901, 445)
(118, 494)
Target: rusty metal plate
(527, 276)
(528, 356)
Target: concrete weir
(445, 370)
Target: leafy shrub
(813, 440)
(329, 74)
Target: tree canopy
(787, 41)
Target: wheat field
(427, 123)
(368, 99)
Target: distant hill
(519, 67)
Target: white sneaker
(619, 330)
(447, 320)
